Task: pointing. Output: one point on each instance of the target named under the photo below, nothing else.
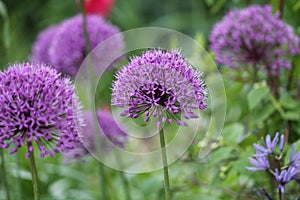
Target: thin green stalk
(34, 176)
(87, 50)
(254, 78)
(165, 164)
(126, 186)
(19, 184)
(279, 194)
(123, 178)
(102, 181)
(3, 169)
(85, 31)
(281, 6)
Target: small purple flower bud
(281, 146)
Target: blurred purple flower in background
(267, 154)
(41, 46)
(161, 84)
(63, 46)
(108, 128)
(254, 36)
(37, 105)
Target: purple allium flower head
(39, 106)
(109, 129)
(68, 48)
(161, 84)
(41, 45)
(286, 176)
(254, 36)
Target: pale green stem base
(34, 176)
(165, 164)
(3, 169)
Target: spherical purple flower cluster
(267, 154)
(162, 84)
(109, 129)
(254, 36)
(64, 45)
(39, 106)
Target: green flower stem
(87, 50)
(3, 169)
(254, 78)
(126, 186)
(279, 194)
(18, 179)
(281, 5)
(34, 176)
(85, 31)
(123, 178)
(102, 181)
(165, 164)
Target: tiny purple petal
(281, 145)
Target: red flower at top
(98, 7)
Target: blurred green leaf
(256, 95)
(220, 154)
(233, 133)
(289, 103)
(296, 6)
(6, 34)
(248, 140)
(263, 113)
(291, 116)
(217, 6)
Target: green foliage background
(252, 112)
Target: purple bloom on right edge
(254, 36)
(267, 158)
(159, 84)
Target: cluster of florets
(267, 158)
(39, 106)
(161, 84)
(254, 36)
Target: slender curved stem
(165, 164)
(3, 169)
(34, 176)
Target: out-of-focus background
(222, 175)
(190, 17)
